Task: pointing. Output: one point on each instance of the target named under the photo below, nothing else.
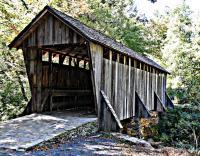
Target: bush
(180, 127)
(12, 102)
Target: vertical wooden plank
(50, 27)
(33, 70)
(129, 110)
(63, 34)
(56, 30)
(97, 59)
(50, 78)
(124, 89)
(67, 34)
(164, 87)
(156, 81)
(153, 86)
(145, 86)
(132, 88)
(116, 102)
(139, 80)
(46, 33)
(40, 35)
(120, 91)
(39, 82)
(59, 29)
(109, 78)
(75, 38)
(134, 79)
(148, 90)
(113, 79)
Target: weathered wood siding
(52, 31)
(66, 77)
(96, 52)
(120, 80)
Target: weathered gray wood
(50, 27)
(124, 94)
(128, 94)
(140, 109)
(147, 88)
(119, 79)
(45, 97)
(150, 90)
(116, 80)
(120, 92)
(59, 92)
(63, 32)
(39, 80)
(108, 76)
(132, 97)
(164, 87)
(111, 112)
(46, 32)
(158, 105)
(97, 60)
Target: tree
(178, 48)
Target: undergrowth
(180, 127)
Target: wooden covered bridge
(70, 65)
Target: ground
(83, 139)
(94, 144)
(27, 131)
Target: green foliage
(178, 41)
(181, 127)
(110, 18)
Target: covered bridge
(70, 65)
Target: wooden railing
(108, 120)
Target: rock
(157, 144)
(132, 140)
(170, 151)
(21, 150)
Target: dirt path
(97, 144)
(27, 131)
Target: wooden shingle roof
(91, 35)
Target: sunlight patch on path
(27, 131)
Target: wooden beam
(140, 109)
(124, 88)
(129, 111)
(110, 110)
(158, 105)
(83, 57)
(70, 92)
(169, 103)
(39, 80)
(61, 59)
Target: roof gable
(89, 34)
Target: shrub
(180, 127)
